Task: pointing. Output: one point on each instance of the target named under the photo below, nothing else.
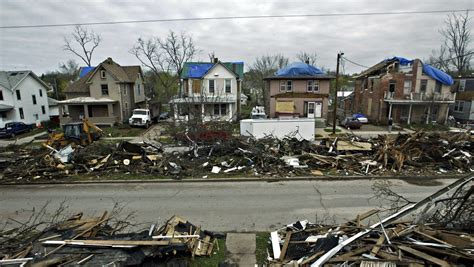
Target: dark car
(14, 128)
(164, 116)
(351, 123)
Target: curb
(248, 179)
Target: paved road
(225, 206)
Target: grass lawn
(30, 133)
(261, 247)
(329, 130)
(212, 261)
(122, 131)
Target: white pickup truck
(140, 117)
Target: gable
(219, 71)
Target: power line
(235, 18)
(355, 63)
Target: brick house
(406, 90)
(106, 94)
(463, 109)
(298, 90)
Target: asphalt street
(219, 206)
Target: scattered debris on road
(440, 234)
(418, 153)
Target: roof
(84, 70)
(429, 70)
(4, 107)
(11, 79)
(344, 93)
(299, 71)
(197, 70)
(86, 99)
(52, 102)
(123, 74)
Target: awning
(86, 100)
(4, 107)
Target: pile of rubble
(442, 233)
(101, 241)
(406, 154)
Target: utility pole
(334, 115)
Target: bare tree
(307, 57)
(165, 58)
(457, 40)
(83, 43)
(438, 59)
(265, 66)
(70, 68)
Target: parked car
(351, 123)
(360, 117)
(164, 116)
(12, 129)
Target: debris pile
(101, 241)
(441, 234)
(406, 154)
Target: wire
(355, 63)
(235, 17)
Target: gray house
(463, 108)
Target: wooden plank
(378, 245)
(351, 253)
(424, 256)
(285, 246)
(275, 245)
(312, 258)
(107, 243)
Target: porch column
(409, 115)
(202, 111)
(390, 111)
(447, 114)
(110, 109)
(428, 115)
(175, 107)
(230, 110)
(86, 111)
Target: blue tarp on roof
(429, 70)
(198, 70)
(299, 69)
(85, 70)
(437, 74)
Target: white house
(23, 97)
(210, 91)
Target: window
(36, 116)
(125, 89)
(228, 84)
(211, 86)
(406, 87)
(138, 89)
(18, 95)
(220, 109)
(43, 110)
(41, 92)
(282, 86)
(34, 99)
(371, 85)
(438, 87)
(105, 89)
(289, 86)
(459, 106)
(1, 95)
(312, 86)
(392, 85)
(102, 74)
(423, 85)
(22, 116)
(462, 85)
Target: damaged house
(408, 91)
(463, 108)
(298, 90)
(210, 91)
(106, 94)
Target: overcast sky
(364, 39)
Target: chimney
(109, 60)
(216, 60)
(306, 61)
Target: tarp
(429, 70)
(437, 74)
(198, 70)
(85, 70)
(403, 61)
(299, 69)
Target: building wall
(299, 88)
(464, 98)
(139, 90)
(219, 84)
(28, 87)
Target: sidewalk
(21, 141)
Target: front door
(311, 109)
(318, 110)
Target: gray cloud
(365, 39)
